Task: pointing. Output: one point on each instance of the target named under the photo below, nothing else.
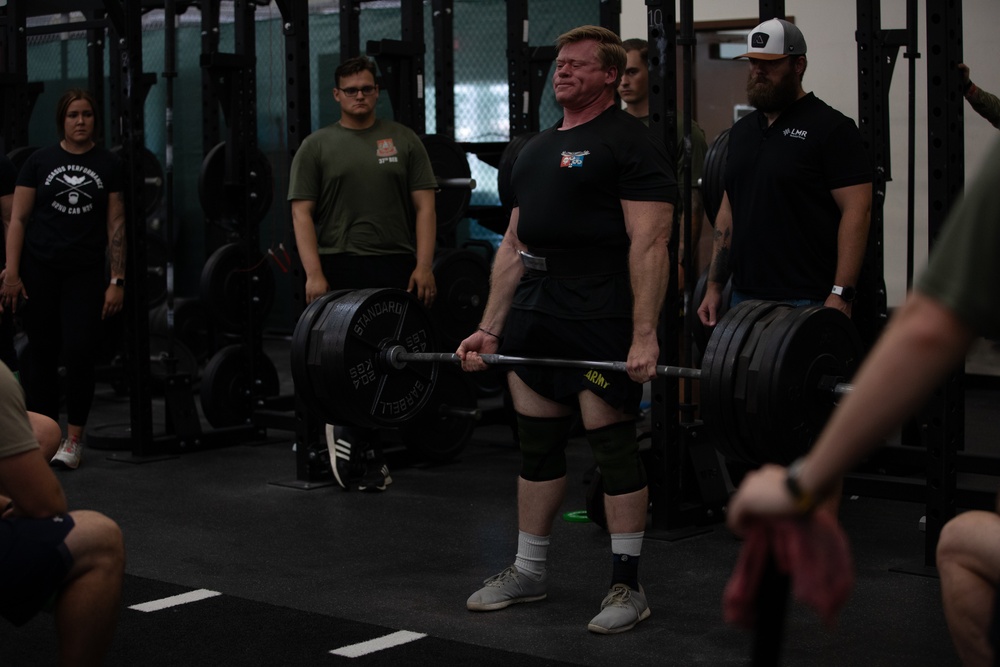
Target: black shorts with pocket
(34, 561)
(537, 335)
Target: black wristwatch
(845, 293)
(118, 282)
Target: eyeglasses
(352, 92)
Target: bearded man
(793, 222)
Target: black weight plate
(716, 406)
(354, 384)
(747, 365)
(448, 160)
(435, 433)
(820, 342)
(506, 166)
(223, 198)
(463, 284)
(152, 175)
(234, 285)
(20, 154)
(232, 382)
(759, 372)
(305, 351)
(713, 175)
(737, 343)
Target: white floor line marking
(174, 600)
(378, 644)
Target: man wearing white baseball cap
(793, 222)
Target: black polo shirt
(778, 180)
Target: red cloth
(813, 552)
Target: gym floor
(306, 576)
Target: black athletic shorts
(34, 561)
(533, 334)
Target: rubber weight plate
(235, 285)
(713, 175)
(231, 383)
(758, 382)
(357, 385)
(819, 342)
(222, 197)
(307, 376)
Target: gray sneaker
(621, 609)
(507, 588)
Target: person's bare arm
(11, 287)
(888, 388)
(855, 202)
(308, 248)
(422, 279)
(29, 482)
(6, 205)
(648, 224)
(504, 276)
(720, 268)
(114, 297)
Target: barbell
(770, 375)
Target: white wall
(832, 74)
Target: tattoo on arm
(116, 242)
(720, 269)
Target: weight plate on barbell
(448, 160)
(747, 372)
(235, 284)
(231, 383)
(223, 197)
(819, 342)
(443, 428)
(351, 380)
(739, 341)
(717, 405)
(303, 360)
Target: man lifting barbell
(581, 271)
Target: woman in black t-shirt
(67, 226)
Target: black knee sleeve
(543, 446)
(616, 451)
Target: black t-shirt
(69, 222)
(778, 180)
(568, 186)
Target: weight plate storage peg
(344, 365)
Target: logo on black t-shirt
(572, 159)
(79, 187)
(795, 134)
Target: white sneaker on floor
(68, 455)
(340, 449)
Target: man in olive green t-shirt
(362, 194)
